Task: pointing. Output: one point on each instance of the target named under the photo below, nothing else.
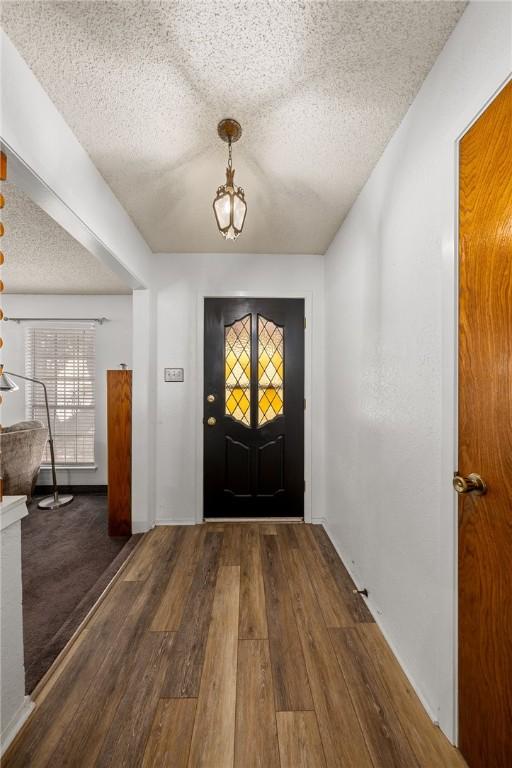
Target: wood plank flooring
(230, 646)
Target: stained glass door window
(237, 350)
(237, 346)
(270, 370)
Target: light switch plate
(173, 374)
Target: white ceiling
(41, 257)
(319, 88)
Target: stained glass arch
(270, 370)
(237, 355)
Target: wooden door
(119, 438)
(485, 438)
(254, 408)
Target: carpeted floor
(67, 561)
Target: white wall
(113, 346)
(181, 279)
(391, 308)
(144, 407)
(14, 705)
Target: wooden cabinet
(119, 437)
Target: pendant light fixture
(229, 205)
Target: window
(237, 351)
(270, 370)
(63, 357)
(237, 358)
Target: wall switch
(173, 374)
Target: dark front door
(254, 408)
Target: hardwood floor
(230, 645)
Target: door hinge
(304, 403)
(304, 323)
(304, 486)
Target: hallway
(230, 645)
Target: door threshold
(253, 520)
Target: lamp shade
(7, 384)
(222, 208)
(230, 207)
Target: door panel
(238, 467)
(271, 467)
(254, 408)
(485, 438)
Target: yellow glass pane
(270, 370)
(264, 402)
(263, 359)
(272, 395)
(244, 403)
(237, 353)
(231, 404)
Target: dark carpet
(67, 561)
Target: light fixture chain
(229, 155)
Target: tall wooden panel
(485, 438)
(119, 426)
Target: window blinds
(64, 358)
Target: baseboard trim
(188, 521)
(253, 520)
(319, 521)
(46, 490)
(14, 725)
(376, 613)
(141, 527)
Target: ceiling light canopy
(229, 205)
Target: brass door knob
(473, 483)
(211, 421)
(210, 398)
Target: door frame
(307, 296)
(449, 553)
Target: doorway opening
(253, 433)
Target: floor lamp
(8, 385)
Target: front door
(485, 438)
(253, 408)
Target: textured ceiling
(41, 257)
(319, 88)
